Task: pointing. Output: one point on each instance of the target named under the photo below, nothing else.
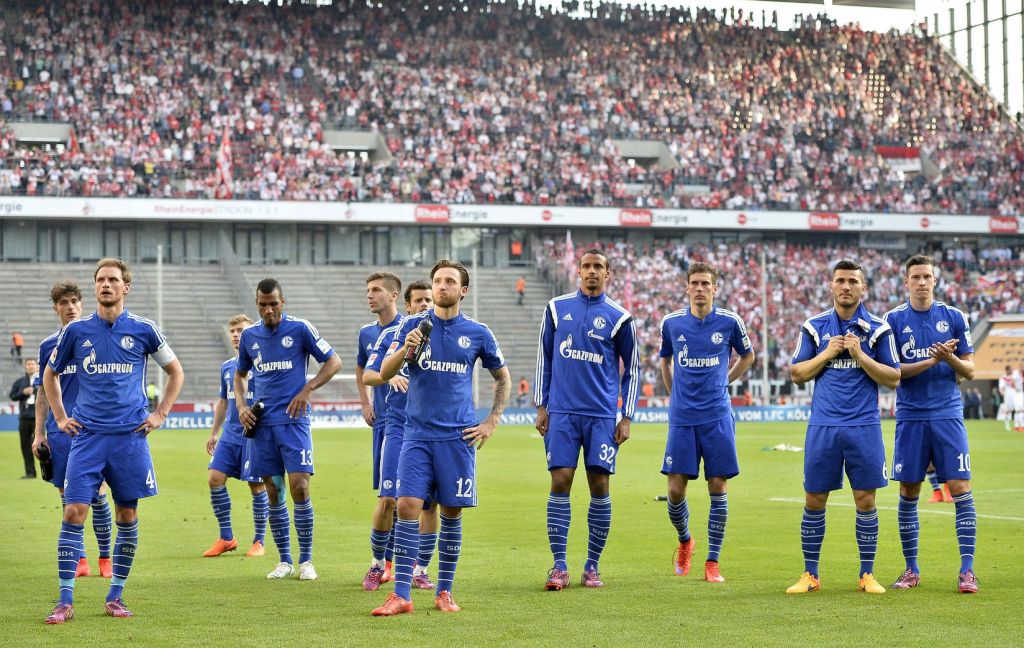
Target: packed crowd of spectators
(652, 283)
(485, 101)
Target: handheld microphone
(256, 409)
(412, 356)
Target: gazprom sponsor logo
(698, 363)
(566, 351)
(842, 363)
(910, 352)
(275, 365)
(428, 364)
(91, 367)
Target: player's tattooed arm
(478, 434)
(502, 390)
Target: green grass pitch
(182, 599)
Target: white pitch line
(797, 500)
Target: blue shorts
(287, 447)
(60, 448)
(233, 460)
(858, 448)
(567, 433)
(443, 470)
(942, 442)
(378, 442)
(714, 442)
(387, 468)
(121, 460)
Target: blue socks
(378, 542)
(407, 541)
(910, 529)
(448, 549)
(69, 546)
(260, 511)
(933, 479)
(812, 533)
(102, 523)
(280, 531)
(427, 543)
(389, 550)
(221, 501)
(966, 529)
(124, 554)
(599, 520)
(717, 517)
(303, 513)
(867, 539)
(679, 516)
(559, 516)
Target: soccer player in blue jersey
(442, 432)
(696, 348)
(417, 300)
(277, 351)
(848, 353)
(67, 303)
(382, 290)
(229, 457)
(110, 423)
(583, 338)
(934, 342)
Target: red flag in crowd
(73, 148)
(223, 175)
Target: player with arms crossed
(583, 338)
(382, 290)
(110, 423)
(67, 303)
(848, 353)
(229, 457)
(277, 351)
(934, 341)
(442, 433)
(417, 300)
(696, 346)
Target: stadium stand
(795, 119)
(199, 299)
(197, 305)
(334, 300)
(983, 283)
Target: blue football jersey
(68, 382)
(231, 430)
(396, 400)
(932, 394)
(700, 350)
(440, 399)
(111, 361)
(582, 341)
(368, 336)
(278, 360)
(844, 394)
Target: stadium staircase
(333, 298)
(197, 304)
(199, 299)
